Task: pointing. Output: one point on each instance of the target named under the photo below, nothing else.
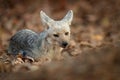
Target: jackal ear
(45, 19)
(69, 16)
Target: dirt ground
(94, 51)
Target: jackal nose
(64, 44)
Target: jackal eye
(55, 35)
(66, 33)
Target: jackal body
(47, 43)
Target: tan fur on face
(59, 28)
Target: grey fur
(26, 41)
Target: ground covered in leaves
(94, 51)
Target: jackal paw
(29, 59)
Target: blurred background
(94, 20)
(95, 23)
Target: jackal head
(58, 31)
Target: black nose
(64, 44)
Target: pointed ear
(68, 18)
(45, 19)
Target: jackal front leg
(58, 54)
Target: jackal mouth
(64, 44)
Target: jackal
(47, 43)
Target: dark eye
(55, 35)
(66, 33)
